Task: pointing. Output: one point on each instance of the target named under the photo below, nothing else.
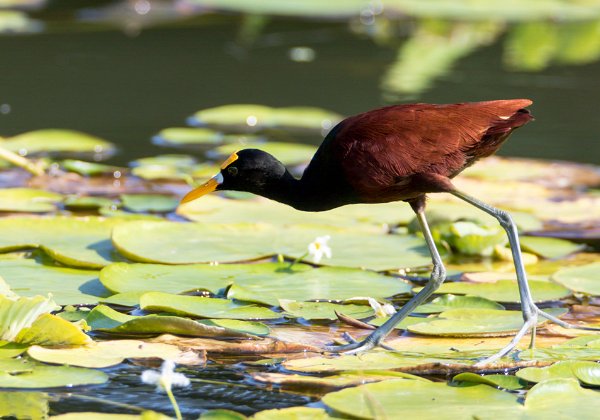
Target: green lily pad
(222, 414)
(160, 172)
(123, 278)
(469, 238)
(203, 307)
(19, 314)
(582, 279)
(176, 160)
(323, 310)
(77, 242)
(402, 325)
(87, 203)
(149, 203)
(24, 405)
(188, 243)
(446, 302)
(125, 215)
(29, 277)
(561, 398)
(475, 323)
(248, 327)
(509, 382)
(549, 247)
(177, 136)
(333, 283)
(28, 200)
(587, 372)
(506, 290)
(129, 299)
(88, 168)
(57, 141)
(581, 348)
(257, 117)
(296, 413)
(286, 153)
(51, 330)
(104, 319)
(53, 376)
(103, 354)
(403, 398)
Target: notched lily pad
(323, 310)
(203, 307)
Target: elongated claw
(562, 323)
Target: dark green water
(125, 88)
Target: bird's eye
(232, 170)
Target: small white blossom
(166, 378)
(381, 311)
(319, 248)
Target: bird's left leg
(438, 275)
(528, 306)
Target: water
(126, 84)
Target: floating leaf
(589, 371)
(323, 310)
(221, 414)
(469, 238)
(188, 243)
(28, 200)
(296, 413)
(583, 278)
(53, 376)
(57, 141)
(24, 405)
(402, 325)
(334, 283)
(122, 277)
(21, 313)
(149, 203)
(88, 168)
(177, 136)
(509, 382)
(102, 318)
(475, 323)
(50, 330)
(87, 203)
(103, 354)
(203, 307)
(77, 242)
(403, 398)
(561, 398)
(506, 290)
(549, 247)
(176, 160)
(581, 348)
(286, 153)
(30, 277)
(446, 302)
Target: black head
(250, 170)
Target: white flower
(166, 378)
(381, 311)
(319, 248)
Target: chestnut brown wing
(386, 146)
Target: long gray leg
(438, 275)
(528, 306)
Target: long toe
(564, 324)
(352, 348)
(527, 326)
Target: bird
(394, 153)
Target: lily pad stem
(297, 260)
(20, 161)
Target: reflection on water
(125, 70)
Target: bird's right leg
(438, 275)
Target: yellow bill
(204, 189)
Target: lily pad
(446, 302)
(188, 243)
(286, 153)
(177, 136)
(104, 319)
(103, 354)
(19, 314)
(323, 310)
(24, 405)
(87, 203)
(123, 278)
(57, 141)
(149, 203)
(28, 200)
(475, 323)
(587, 372)
(509, 382)
(403, 398)
(334, 283)
(29, 277)
(549, 247)
(506, 290)
(88, 168)
(203, 307)
(582, 279)
(52, 377)
(296, 413)
(561, 398)
(51, 330)
(77, 242)
(176, 160)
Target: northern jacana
(396, 153)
